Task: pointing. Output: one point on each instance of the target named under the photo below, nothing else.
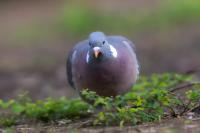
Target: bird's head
(99, 47)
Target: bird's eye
(104, 42)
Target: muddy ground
(178, 125)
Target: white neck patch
(113, 51)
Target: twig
(173, 113)
(186, 108)
(190, 110)
(184, 86)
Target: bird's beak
(97, 52)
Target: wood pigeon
(104, 64)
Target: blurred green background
(35, 37)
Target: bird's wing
(69, 68)
(79, 48)
(130, 45)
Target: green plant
(7, 121)
(48, 109)
(151, 99)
